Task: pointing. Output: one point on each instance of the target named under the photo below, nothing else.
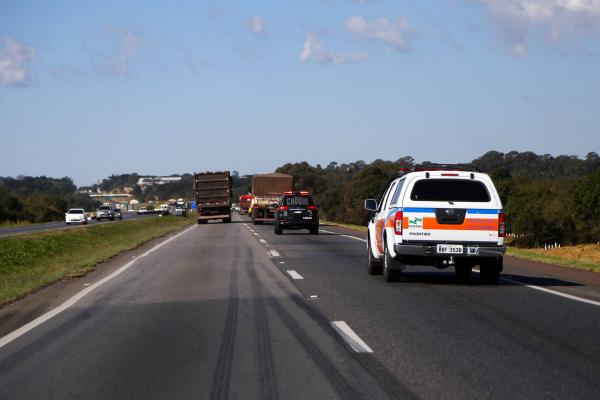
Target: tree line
(39, 199)
(546, 199)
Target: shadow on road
(449, 278)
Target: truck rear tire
(278, 229)
(374, 266)
(489, 272)
(463, 272)
(202, 221)
(390, 273)
(227, 220)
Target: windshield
(104, 208)
(297, 201)
(450, 190)
(75, 211)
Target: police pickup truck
(437, 215)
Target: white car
(438, 215)
(75, 215)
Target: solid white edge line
(74, 299)
(274, 253)
(348, 236)
(294, 274)
(353, 340)
(543, 289)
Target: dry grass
(582, 256)
(350, 226)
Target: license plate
(450, 248)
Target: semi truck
(267, 189)
(213, 196)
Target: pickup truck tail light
(501, 225)
(312, 208)
(398, 218)
(283, 208)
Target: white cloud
(314, 50)
(14, 60)
(554, 17)
(127, 47)
(394, 33)
(256, 25)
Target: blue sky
(92, 88)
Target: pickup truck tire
(202, 221)
(463, 272)
(489, 271)
(374, 266)
(227, 220)
(389, 274)
(314, 230)
(278, 229)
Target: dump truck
(244, 203)
(213, 196)
(267, 189)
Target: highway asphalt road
(220, 312)
(49, 226)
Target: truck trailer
(213, 196)
(267, 189)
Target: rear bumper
(472, 251)
(216, 216)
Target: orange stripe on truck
(470, 224)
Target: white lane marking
(543, 289)
(294, 274)
(348, 236)
(314, 296)
(281, 262)
(52, 313)
(255, 234)
(353, 340)
(274, 253)
(262, 240)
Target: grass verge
(350, 226)
(583, 256)
(30, 262)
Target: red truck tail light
(312, 208)
(283, 208)
(501, 225)
(398, 218)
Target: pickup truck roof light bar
(439, 167)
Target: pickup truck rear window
(450, 190)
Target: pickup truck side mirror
(371, 205)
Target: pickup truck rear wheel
(278, 229)
(490, 271)
(314, 230)
(463, 272)
(374, 266)
(390, 274)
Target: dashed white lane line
(294, 274)
(353, 340)
(274, 253)
(543, 289)
(263, 241)
(52, 313)
(348, 236)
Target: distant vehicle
(439, 215)
(142, 210)
(180, 202)
(297, 210)
(267, 190)
(244, 203)
(213, 196)
(164, 207)
(118, 214)
(75, 215)
(105, 212)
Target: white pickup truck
(438, 215)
